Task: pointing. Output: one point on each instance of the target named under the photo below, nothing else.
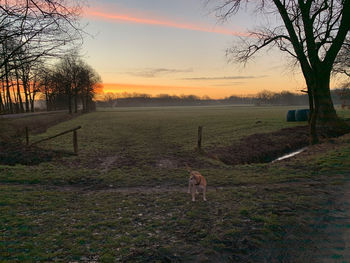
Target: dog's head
(193, 179)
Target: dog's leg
(197, 190)
(189, 187)
(204, 190)
(193, 192)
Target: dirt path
(29, 114)
(335, 247)
(153, 189)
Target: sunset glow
(155, 90)
(148, 21)
(170, 47)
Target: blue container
(302, 115)
(291, 115)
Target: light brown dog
(196, 179)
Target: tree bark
(19, 91)
(325, 116)
(8, 92)
(75, 99)
(70, 103)
(25, 89)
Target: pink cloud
(117, 17)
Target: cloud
(226, 78)
(143, 19)
(156, 72)
(234, 83)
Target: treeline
(262, 98)
(343, 94)
(33, 34)
(69, 84)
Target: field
(123, 198)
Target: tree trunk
(15, 98)
(25, 89)
(2, 107)
(75, 99)
(5, 106)
(70, 103)
(312, 117)
(328, 122)
(19, 90)
(83, 101)
(19, 96)
(8, 93)
(32, 94)
(47, 99)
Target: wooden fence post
(199, 143)
(75, 138)
(27, 136)
(75, 141)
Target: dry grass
(104, 206)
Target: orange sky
(171, 90)
(173, 48)
(215, 93)
(158, 22)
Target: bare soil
(14, 152)
(263, 147)
(256, 148)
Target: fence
(75, 138)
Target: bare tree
(89, 84)
(342, 63)
(71, 82)
(31, 31)
(37, 28)
(310, 31)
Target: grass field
(123, 197)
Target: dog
(196, 179)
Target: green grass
(252, 208)
(145, 144)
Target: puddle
(289, 155)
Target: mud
(263, 147)
(14, 152)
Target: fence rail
(75, 138)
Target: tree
(110, 98)
(344, 94)
(265, 97)
(312, 32)
(30, 32)
(37, 28)
(89, 84)
(342, 63)
(69, 84)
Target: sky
(177, 47)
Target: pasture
(123, 198)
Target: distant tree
(342, 63)
(109, 98)
(71, 82)
(312, 32)
(89, 85)
(344, 94)
(265, 97)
